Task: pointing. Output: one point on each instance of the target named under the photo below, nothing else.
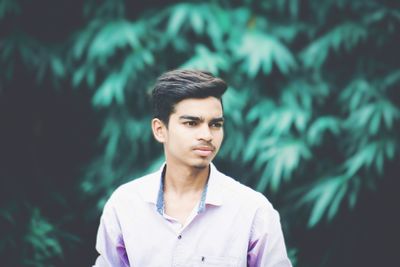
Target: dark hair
(177, 85)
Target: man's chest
(215, 235)
(181, 210)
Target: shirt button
(179, 236)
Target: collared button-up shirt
(237, 227)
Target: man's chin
(201, 166)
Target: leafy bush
(312, 110)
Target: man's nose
(205, 133)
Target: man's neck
(181, 181)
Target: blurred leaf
(325, 196)
(43, 238)
(320, 126)
(281, 160)
(371, 155)
(202, 18)
(287, 32)
(235, 102)
(111, 89)
(280, 121)
(355, 189)
(263, 107)
(204, 59)
(346, 35)
(285, 7)
(78, 76)
(58, 67)
(372, 116)
(357, 93)
(9, 7)
(292, 254)
(7, 215)
(111, 133)
(178, 15)
(391, 79)
(115, 35)
(259, 51)
(83, 38)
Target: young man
(188, 213)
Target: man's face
(194, 133)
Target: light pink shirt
(238, 227)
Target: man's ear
(159, 130)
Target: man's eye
(216, 125)
(191, 123)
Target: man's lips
(203, 151)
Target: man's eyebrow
(219, 119)
(195, 118)
(192, 118)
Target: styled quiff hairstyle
(177, 85)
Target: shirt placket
(178, 257)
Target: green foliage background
(313, 113)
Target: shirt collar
(214, 191)
(149, 191)
(153, 186)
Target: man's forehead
(199, 107)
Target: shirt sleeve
(267, 245)
(110, 243)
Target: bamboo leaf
(178, 15)
(57, 67)
(206, 60)
(320, 126)
(281, 158)
(113, 36)
(326, 195)
(9, 7)
(259, 51)
(346, 35)
(337, 200)
(111, 89)
(390, 113)
(111, 134)
(374, 124)
(391, 79)
(356, 184)
(197, 22)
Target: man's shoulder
(136, 185)
(237, 190)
